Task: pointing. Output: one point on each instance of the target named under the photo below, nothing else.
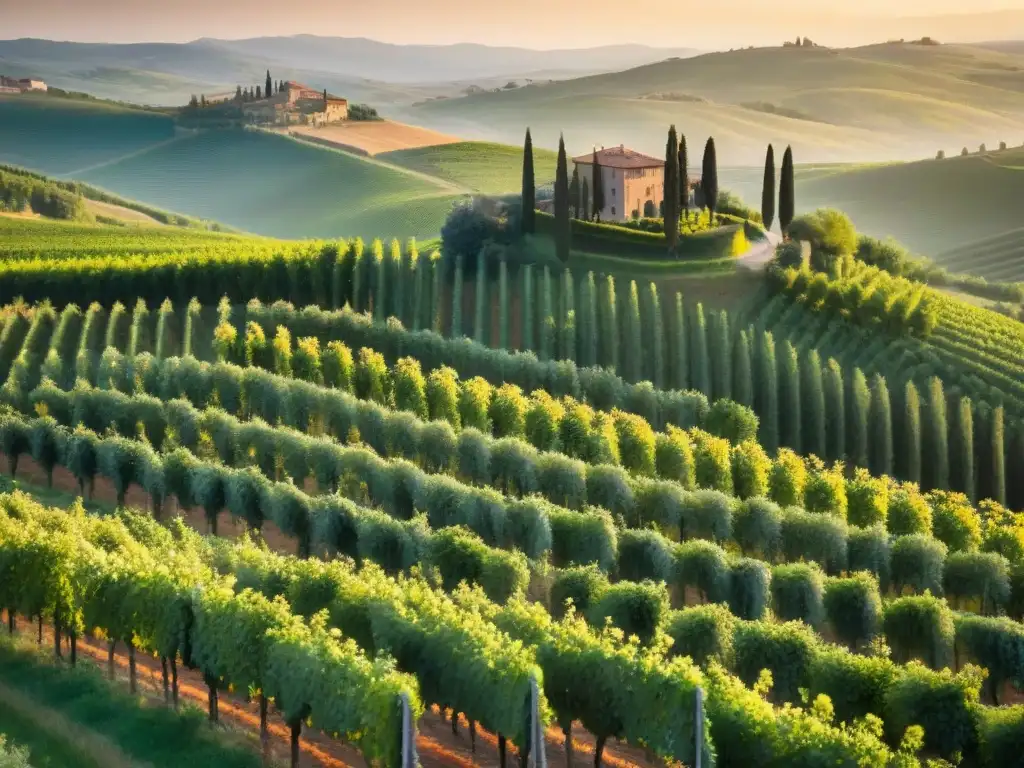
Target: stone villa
(633, 183)
(11, 85)
(297, 104)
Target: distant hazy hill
(364, 70)
(876, 102)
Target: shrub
(732, 421)
(442, 390)
(541, 423)
(855, 684)
(757, 527)
(981, 576)
(797, 592)
(474, 404)
(1001, 733)
(473, 456)
(909, 512)
(870, 550)
(338, 366)
(702, 566)
(703, 633)
(371, 377)
(644, 555)
(853, 607)
(787, 479)
(636, 443)
(574, 429)
(409, 387)
(786, 650)
(827, 230)
(818, 538)
(954, 521)
(749, 588)
(461, 555)
(673, 457)
(508, 411)
(659, 502)
(867, 499)
(712, 465)
(581, 585)
(996, 644)
(917, 562)
(707, 515)
(636, 609)
(942, 703)
(750, 469)
(609, 487)
(825, 492)
(306, 362)
(583, 538)
(921, 628)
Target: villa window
(613, 210)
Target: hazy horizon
(730, 23)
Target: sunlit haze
(529, 23)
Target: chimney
(622, 147)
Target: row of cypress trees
(787, 191)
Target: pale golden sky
(530, 23)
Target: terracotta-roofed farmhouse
(298, 103)
(633, 183)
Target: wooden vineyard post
(409, 757)
(698, 723)
(538, 756)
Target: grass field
(275, 186)
(64, 136)
(479, 166)
(375, 136)
(997, 258)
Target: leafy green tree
(269, 88)
(306, 362)
(853, 609)
(529, 309)
(835, 411)
(597, 188)
(867, 498)
(670, 214)
(409, 386)
(481, 303)
(798, 593)
(787, 192)
(701, 379)
(910, 445)
(338, 366)
(633, 354)
(997, 431)
(563, 230)
(684, 176)
(372, 378)
(768, 189)
(814, 416)
(750, 470)
(282, 352)
(528, 220)
(858, 441)
(709, 179)
(474, 404)
(503, 318)
(442, 391)
(961, 449)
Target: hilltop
(886, 101)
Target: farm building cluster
(25, 84)
(297, 104)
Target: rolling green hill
(479, 166)
(275, 186)
(876, 102)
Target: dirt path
(376, 136)
(760, 253)
(437, 745)
(114, 161)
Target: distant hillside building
(633, 183)
(297, 103)
(28, 84)
(13, 85)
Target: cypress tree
(699, 347)
(812, 394)
(563, 232)
(419, 291)
(597, 189)
(397, 275)
(722, 360)
(768, 189)
(997, 432)
(743, 389)
(480, 302)
(857, 429)
(657, 345)
(684, 176)
(609, 337)
(910, 447)
(547, 323)
(380, 283)
(680, 360)
(634, 353)
(982, 454)
(787, 192)
(269, 90)
(588, 322)
(574, 192)
(880, 450)
(528, 216)
(961, 449)
(359, 281)
(766, 393)
(503, 305)
(568, 324)
(709, 180)
(457, 287)
(790, 403)
(935, 454)
(835, 411)
(529, 310)
(584, 199)
(670, 215)
(436, 311)
(1015, 459)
